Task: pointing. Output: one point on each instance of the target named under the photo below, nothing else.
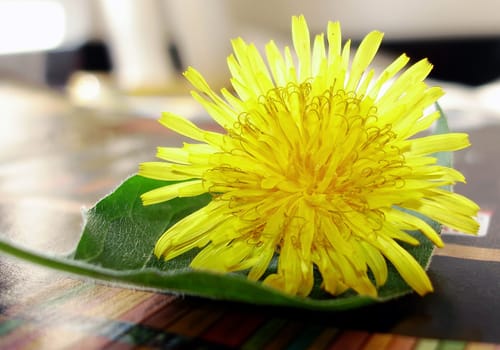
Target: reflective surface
(56, 159)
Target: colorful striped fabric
(74, 314)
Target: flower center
(328, 148)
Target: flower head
(318, 165)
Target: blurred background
(96, 52)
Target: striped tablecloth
(75, 314)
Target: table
(57, 158)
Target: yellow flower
(316, 163)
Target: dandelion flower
(319, 164)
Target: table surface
(56, 159)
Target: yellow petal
(319, 54)
(169, 171)
(407, 266)
(439, 143)
(173, 154)
(363, 57)
(416, 73)
(415, 223)
(376, 262)
(190, 231)
(166, 193)
(184, 127)
(387, 74)
(276, 64)
(334, 41)
(302, 45)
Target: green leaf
(120, 233)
